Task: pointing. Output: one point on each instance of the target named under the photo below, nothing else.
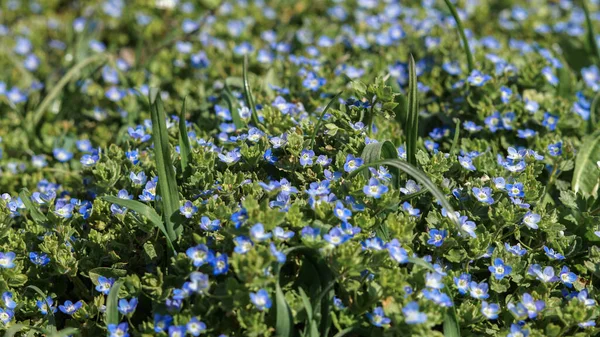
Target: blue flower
(526, 133)
(62, 155)
(531, 220)
(437, 237)
(210, 225)
(516, 331)
(177, 331)
(278, 255)
(6, 315)
(375, 189)
(552, 254)
(437, 297)
(243, 244)
(310, 233)
(434, 280)
(499, 269)
(477, 79)
(490, 311)
(377, 317)
(479, 290)
(280, 234)
(230, 157)
(162, 322)
(7, 298)
(352, 163)
(515, 190)
(188, 209)
(306, 157)
(104, 284)
(70, 308)
(466, 162)
(341, 212)
(257, 232)
(7, 260)
(484, 195)
(550, 121)
(555, 149)
(40, 259)
(505, 94)
(220, 264)
(120, 330)
(410, 210)
(200, 255)
(261, 299)
(412, 315)
(46, 305)
(462, 283)
(198, 283)
(373, 244)
(127, 307)
(397, 253)
(567, 277)
(587, 324)
(336, 236)
(532, 306)
(195, 327)
(313, 82)
(516, 249)
(546, 275)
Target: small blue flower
(437, 237)
(120, 330)
(397, 253)
(243, 244)
(261, 299)
(7, 260)
(517, 331)
(195, 327)
(6, 315)
(280, 234)
(532, 306)
(526, 133)
(70, 308)
(177, 331)
(40, 259)
(515, 190)
(278, 255)
(336, 237)
(230, 157)
(306, 157)
(377, 317)
(127, 307)
(410, 210)
(43, 305)
(516, 249)
(567, 277)
(104, 284)
(546, 275)
(62, 155)
(477, 79)
(555, 149)
(466, 162)
(467, 226)
(412, 315)
(257, 232)
(375, 189)
(310, 233)
(462, 283)
(220, 264)
(484, 195)
(162, 322)
(200, 255)
(188, 209)
(531, 220)
(550, 121)
(490, 311)
(434, 280)
(7, 298)
(499, 269)
(198, 283)
(552, 254)
(341, 212)
(210, 225)
(352, 163)
(505, 94)
(478, 290)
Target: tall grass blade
(463, 37)
(248, 93)
(412, 117)
(586, 174)
(167, 184)
(591, 36)
(185, 149)
(112, 300)
(320, 121)
(591, 124)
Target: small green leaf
(318, 125)
(587, 172)
(112, 300)
(284, 325)
(143, 210)
(463, 37)
(34, 211)
(411, 126)
(185, 148)
(167, 183)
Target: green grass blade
(463, 37)
(454, 148)
(34, 211)
(284, 325)
(167, 184)
(378, 151)
(112, 301)
(412, 118)
(233, 105)
(144, 210)
(57, 88)
(591, 125)
(586, 173)
(185, 149)
(320, 121)
(591, 36)
(306, 302)
(51, 327)
(248, 93)
(419, 176)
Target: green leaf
(233, 105)
(378, 151)
(248, 93)
(306, 302)
(144, 210)
(318, 125)
(420, 177)
(586, 173)
(456, 140)
(112, 301)
(411, 126)
(34, 211)
(591, 35)
(185, 148)
(65, 332)
(591, 125)
(167, 184)
(10, 332)
(451, 326)
(51, 327)
(284, 325)
(463, 37)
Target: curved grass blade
(34, 211)
(591, 36)
(463, 37)
(112, 310)
(382, 150)
(143, 210)
(167, 184)
(248, 93)
(284, 325)
(591, 125)
(232, 104)
(56, 89)
(412, 117)
(586, 173)
(51, 327)
(456, 140)
(318, 126)
(185, 149)
(419, 176)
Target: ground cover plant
(299, 168)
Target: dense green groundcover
(283, 168)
